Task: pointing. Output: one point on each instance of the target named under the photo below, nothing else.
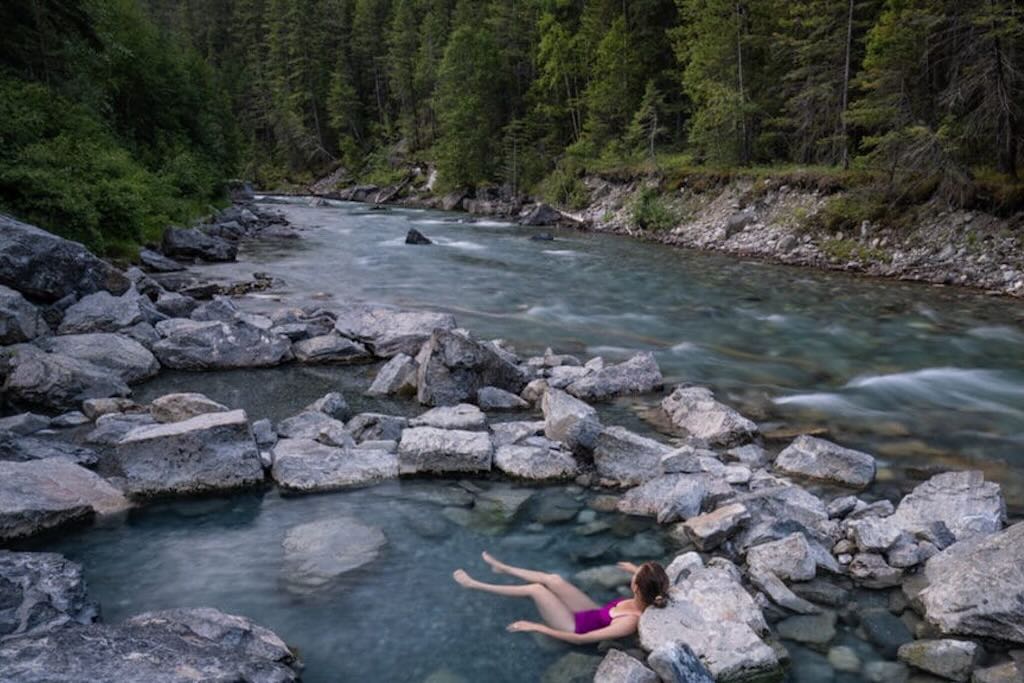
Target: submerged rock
(428, 449)
(20, 321)
(40, 592)
(128, 359)
(453, 367)
(43, 266)
(16, 448)
(217, 345)
(209, 452)
(309, 466)
(695, 412)
(44, 494)
(318, 553)
(638, 375)
(816, 458)
(950, 659)
(389, 331)
(414, 236)
(53, 380)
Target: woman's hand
(627, 567)
(523, 626)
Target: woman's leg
(575, 599)
(552, 610)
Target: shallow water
(922, 377)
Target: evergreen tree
(611, 93)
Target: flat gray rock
(307, 466)
(217, 345)
(54, 381)
(815, 458)
(209, 452)
(461, 416)
(376, 427)
(158, 263)
(789, 558)
(316, 426)
(536, 462)
(710, 530)
(126, 358)
(184, 406)
(963, 501)
(638, 375)
(40, 592)
(318, 553)
(670, 498)
(388, 331)
(43, 266)
(493, 398)
(330, 348)
(951, 659)
(20, 321)
(103, 312)
(510, 433)
(625, 458)
(15, 448)
(428, 449)
(44, 494)
(694, 412)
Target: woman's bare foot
(463, 579)
(497, 566)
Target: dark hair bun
(660, 600)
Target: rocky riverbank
(773, 539)
(769, 220)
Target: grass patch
(852, 250)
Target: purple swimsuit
(593, 619)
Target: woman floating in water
(570, 615)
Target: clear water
(923, 377)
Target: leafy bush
(650, 211)
(564, 188)
(845, 213)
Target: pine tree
(612, 91)
(403, 43)
(646, 127)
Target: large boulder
(627, 459)
(640, 374)
(711, 612)
(212, 344)
(46, 267)
(40, 592)
(330, 348)
(964, 501)
(453, 367)
(17, 448)
(428, 449)
(55, 381)
(317, 553)
(694, 412)
(309, 466)
(102, 312)
(44, 494)
(976, 587)
(160, 651)
(20, 321)
(570, 421)
(815, 458)
(209, 452)
(193, 244)
(126, 358)
(389, 331)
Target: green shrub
(650, 211)
(564, 188)
(845, 213)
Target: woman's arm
(619, 628)
(628, 567)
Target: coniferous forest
(117, 116)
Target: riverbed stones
(535, 462)
(976, 587)
(53, 380)
(461, 416)
(570, 420)
(950, 659)
(432, 450)
(816, 630)
(235, 632)
(625, 458)
(126, 358)
(40, 592)
(638, 375)
(307, 466)
(376, 427)
(102, 312)
(493, 398)
(24, 423)
(670, 498)
(710, 530)
(618, 667)
(189, 243)
(964, 501)
(183, 406)
(39, 495)
(711, 612)
(789, 558)
(20, 321)
(318, 553)
(330, 348)
(885, 631)
(822, 460)
(453, 367)
(780, 594)
(693, 411)
(872, 571)
(111, 428)
(17, 448)
(397, 377)
(509, 433)
(312, 424)
(777, 510)
(209, 452)
(45, 267)
(389, 331)
(217, 345)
